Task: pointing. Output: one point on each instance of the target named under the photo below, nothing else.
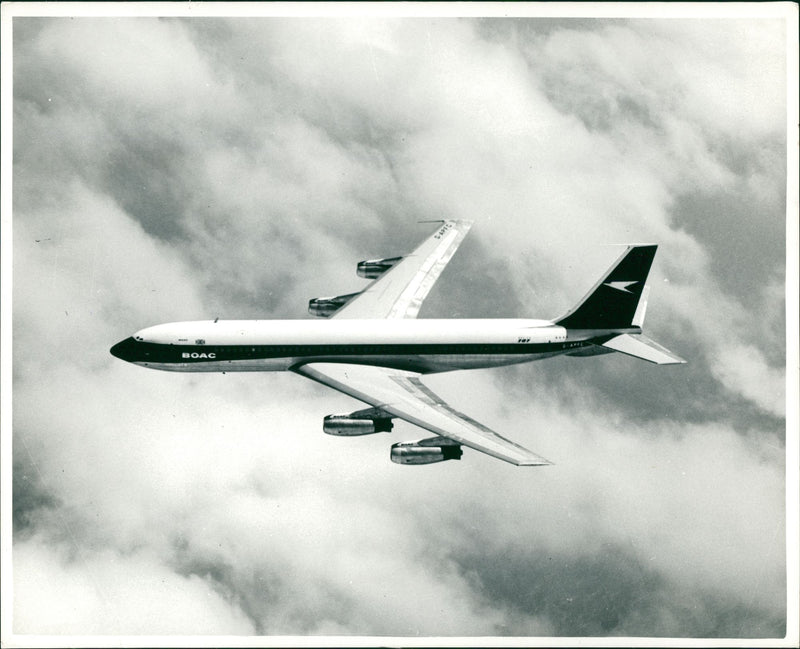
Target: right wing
(399, 292)
(402, 394)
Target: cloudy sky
(187, 168)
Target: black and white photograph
(399, 324)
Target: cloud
(183, 169)
(745, 369)
(90, 597)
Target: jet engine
(372, 268)
(325, 307)
(361, 422)
(426, 451)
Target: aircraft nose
(124, 349)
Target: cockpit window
(199, 341)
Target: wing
(399, 292)
(402, 394)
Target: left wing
(402, 394)
(399, 292)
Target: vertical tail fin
(614, 301)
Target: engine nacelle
(325, 307)
(361, 422)
(426, 451)
(372, 268)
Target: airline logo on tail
(621, 286)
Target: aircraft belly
(425, 363)
(445, 362)
(247, 365)
(430, 363)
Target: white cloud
(733, 72)
(91, 272)
(727, 77)
(140, 66)
(745, 370)
(112, 594)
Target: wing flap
(400, 291)
(402, 394)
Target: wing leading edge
(399, 292)
(402, 394)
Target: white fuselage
(271, 345)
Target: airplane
(370, 346)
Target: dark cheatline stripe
(159, 353)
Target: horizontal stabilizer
(641, 346)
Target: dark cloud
(611, 592)
(645, 393)
(746, 242)
(475, 285)
(30, 496)
(581, 596)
